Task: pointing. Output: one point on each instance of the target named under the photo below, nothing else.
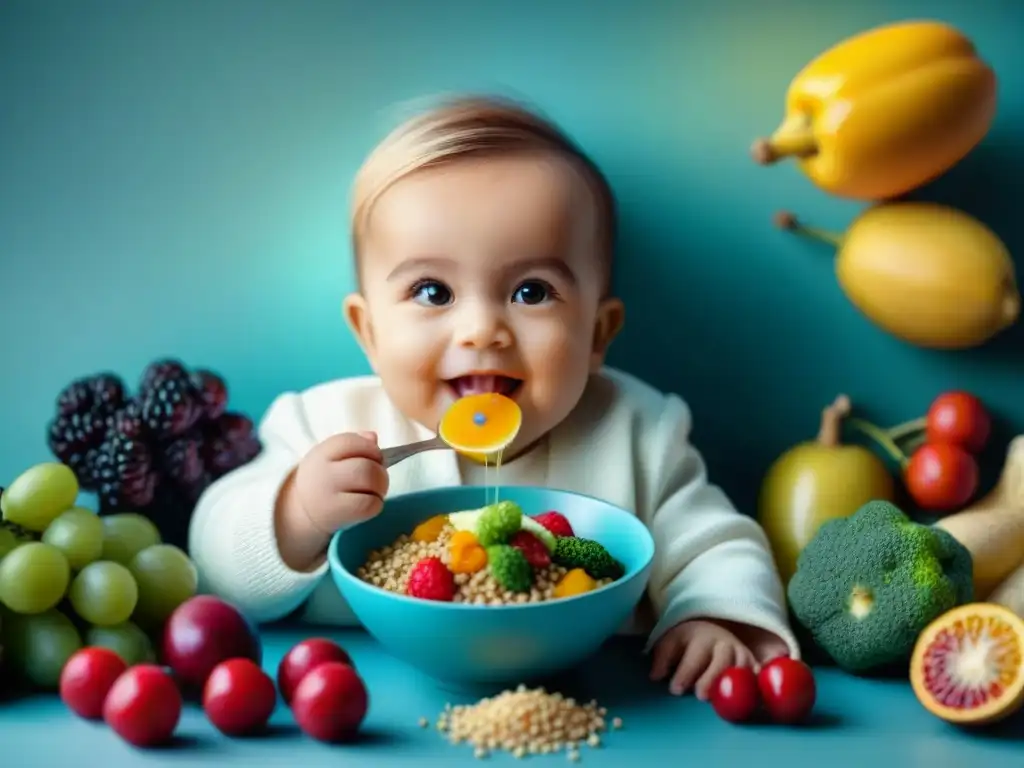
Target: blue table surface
(859, 723)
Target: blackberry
(181, 460)
(125, 473)
(229, 442)
(236, 427)
(71, 435)
(76, 397)
(169, 405)
(127, 420)
(86, 468)
(108, 391)
(213, 392)
(161, 369)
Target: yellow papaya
(885, 111)
(929, 274)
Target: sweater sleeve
(710, 561)
(231, 536)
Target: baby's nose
(483, 328)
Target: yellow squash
(885, 111)
(926, 273)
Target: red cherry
(143, 706)
(330, 702)
(788, 689)
(941, 477)
(303, 658)
(239, 697)
(87, 678)
(958, 418)
(734, 695)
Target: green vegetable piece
(866, 586)
(510, 568)
(498, 522)
(574, 552)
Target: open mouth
(483, 383)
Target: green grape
(38, 495)
(78, 533)
(126, 640)
(126, 534)
(104, 593)
(8, 541)
(33, 578)
(166, 579)
(39, 646)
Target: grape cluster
(154, 452)
(70, 578)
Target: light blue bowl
(470, 644)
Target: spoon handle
(402, 452)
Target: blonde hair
(472, 126)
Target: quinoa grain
(524, 722)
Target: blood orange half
(968, 664)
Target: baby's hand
(695, 653)
(342, 481)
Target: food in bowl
(495, 555)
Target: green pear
(815, 481)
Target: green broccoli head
(867, 585)
(509, 567)
(498, 522)
(574, 552)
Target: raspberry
(556, 523)
(431, 580)
(533, 549)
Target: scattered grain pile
(526, 722)
(389, 567)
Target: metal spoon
(392, 456)
(402, 452)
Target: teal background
(174, 180)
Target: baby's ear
(611, 315)
(357, 315)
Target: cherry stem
(907, 428)
(914, 443)
(883, 438)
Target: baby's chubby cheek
(407, 354)
(557, 372)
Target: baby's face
(485, 276)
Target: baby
(483, 241)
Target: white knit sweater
(625, 443)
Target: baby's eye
(431, 293)
(533, 292)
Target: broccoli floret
(510, 568)
(574, 552)
(498, 522)
(867, 585)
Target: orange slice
(483, 424)
(968, 665)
